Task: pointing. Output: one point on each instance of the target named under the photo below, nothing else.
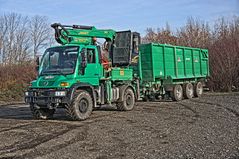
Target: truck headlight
(60, 93)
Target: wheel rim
(83, 106)
(179, 92)
(128, 100)
(190, 90)
(200, 89)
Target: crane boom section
(78, 34)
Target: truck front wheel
(128, 100)
(81, 106)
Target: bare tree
(3, 31)
(21, 37)
(224, 54)
(162, 35)
(40, 33)
(195, 33)
(14, 37)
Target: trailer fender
(83, 86)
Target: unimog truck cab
(74, 75)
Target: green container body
(161, 61)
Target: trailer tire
(177, 93)
(198, 89)
(128, 100)
(42, 113)
(188, 90)
(81, 106)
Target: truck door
(94, 70)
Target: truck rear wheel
(42, 113)
(128, 100)
(188, 90)
(198, 89)
(177, 93)
(81, 106)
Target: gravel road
(198, 128)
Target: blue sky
(136, 15)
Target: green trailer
(174, 70)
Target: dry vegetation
(14, 79)
(22, 38)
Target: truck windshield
(59, 60)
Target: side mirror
(84, 60)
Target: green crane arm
(79, 34)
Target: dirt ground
(199, 128)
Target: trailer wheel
(198, 89)
(42, 113)
(81, 106)
(177, 93)
(188, 90)
(128, 100)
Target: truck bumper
(47, 97)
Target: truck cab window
(70, 59)
(54, 59)
(59, 60)
(90, 56)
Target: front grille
(44, 96)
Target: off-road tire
(177, 93)
(81, 106)
(198, 89)
(188, 90)
(42, 113)
(128, 100)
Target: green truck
(80, 75)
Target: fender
(83, 86)
(122, 90)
